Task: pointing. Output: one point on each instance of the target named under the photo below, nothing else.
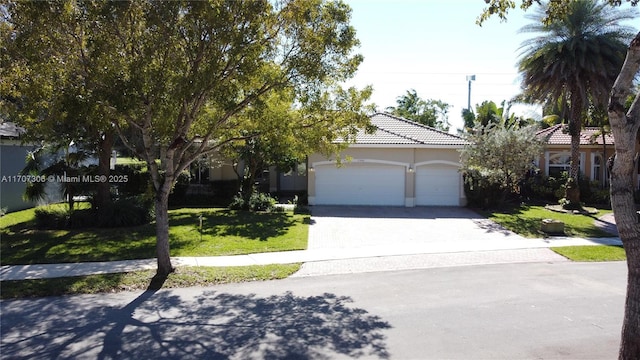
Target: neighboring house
(594, 152)
(12, 159)
(402, 163)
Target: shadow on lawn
(245, 224)
(211, 325)
(25, 244)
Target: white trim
(438, 162)
(362, 161)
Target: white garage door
(437, 185)
(360, 185)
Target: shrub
(257, 202)
(120, 213)
(237, 203)
(480, 191)
(131, 211)
(138, 181)
(52, 216)
(261, 202)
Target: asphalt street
(506, 311)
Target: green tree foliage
(430, 112)
(574, 60)
(498, 158)
(49, 80)
(625, 123)
(488, 113)
(179, 79)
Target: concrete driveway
(419, 229)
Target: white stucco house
(402, 163)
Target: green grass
(140, 280)
(223, 232)
(525, 221)
(592, 253)
(130, 161)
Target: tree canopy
(180, 79)
(430, 112)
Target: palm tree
(574, 60)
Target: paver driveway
(432, 229)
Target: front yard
(223, 232)
(525, 220)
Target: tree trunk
(575, 125)
(625, 128)
(162, 233)
(103, 190)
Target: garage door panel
(437, 185)
(360, 185)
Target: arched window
(558, 163)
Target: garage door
(360, 185)
(437, 185)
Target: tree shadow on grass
(209, 325)
(245, 224)
(25, 244)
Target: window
(599, 171)
(559, 162)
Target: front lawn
(223, 232)
(525, 221)
(592, 253)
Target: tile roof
(559, 135)
(10, 130)
(393, 130)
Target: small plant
(237, 203)
(3, 211)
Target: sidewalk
(337, 260)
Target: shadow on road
(211, 325)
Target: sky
(431, 46)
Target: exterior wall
(222, 171)
(407, 157)
(587, 154)
(12, 160)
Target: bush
(131, 211)
(257, 202)
(261, 202)
(138, 181)
(552, 189)
(120, 213)
(52, 216)
(480, 192)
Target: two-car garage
(368, 183)
(401, 163)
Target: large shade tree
(71, 114)
(574, 59)
(624, 126)
(180, 79)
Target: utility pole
(470, 78)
